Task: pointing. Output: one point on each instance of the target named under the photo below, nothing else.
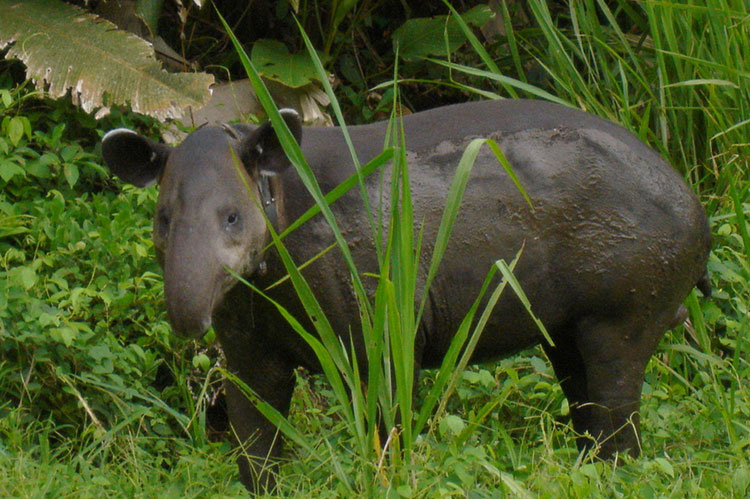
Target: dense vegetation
(96, 396)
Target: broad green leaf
(425, 36)
(202, 362)
(70, 170)
(66, 48)
(664, 465)
(452, 425)
(9, 169)
(6, 98)
(40, 166)
(66, 334)
(68, 152)
(15, 130)
(149, 11)
(99, 352)
(274, 62)
(28, 277)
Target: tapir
(613, 241)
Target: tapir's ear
(261, 148)
(134, 159)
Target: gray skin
(615, 242)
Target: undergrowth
(96, 397)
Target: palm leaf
(65, 48)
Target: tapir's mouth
(189, 328)
(196, 332)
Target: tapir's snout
(188, 325)
(191, 282)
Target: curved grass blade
(479, 49)
(526, 87)
(269, 412)
(341, 189)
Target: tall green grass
(390, 322)
(675, 73)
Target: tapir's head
(214, 188)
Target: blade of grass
(341, 189)
(507, 273)
(323, 75)
(479, 49)
(269, 412)
(453, 202)
(531, 89)
(449, 359)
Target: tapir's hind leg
(601, 368)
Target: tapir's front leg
(272, 379)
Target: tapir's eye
(230, 220)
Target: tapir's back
(613, 226)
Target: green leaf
(424, 36)
(149, 11)
(273, 415)
(741, 481)
(504, 80)
(65, 48)
(70, 170)
(15, 130)
(202, 361)
(66, 334)
(451, 425)
(40, 167)
(6, 98)
(507, 273)
(9, 169)
(273, 61)
(404, 491)
(68, 152)
(589, 470)
(341, 189)
(100, 352)
(28, 277)
(664, 465)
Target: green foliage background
(97, 398)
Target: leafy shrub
(82, 329)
